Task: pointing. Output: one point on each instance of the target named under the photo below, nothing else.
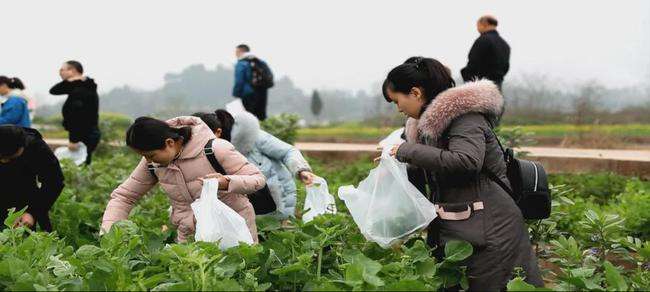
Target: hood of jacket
(481, 96)
(87, 83)
(201, 134)
(245, 132)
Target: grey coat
(277, 160)
(449, 148)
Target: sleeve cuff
(403, 152)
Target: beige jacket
(181, 181)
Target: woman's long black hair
(426, 73)
(13, 83)
(220, 119)
(148, 134)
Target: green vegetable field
(597, 238)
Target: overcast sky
(319, 44)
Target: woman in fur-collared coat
(450, 145)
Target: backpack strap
(152, 169)
(500, 182)
(506, 154)
(209, 153)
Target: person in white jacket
(280, 162)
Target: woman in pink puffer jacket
(176, 149)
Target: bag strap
(506, 155)
(209, 153)
(152, 169)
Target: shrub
(283, 126)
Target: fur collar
(481, 96)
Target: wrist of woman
(224, 183)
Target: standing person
(175, 155)
(18, 89)
(81, 108)
(30, 176)
(15, 110)
(279, 162)
(253, 78)
(490, 55)
(451, 141)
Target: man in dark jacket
(490, 55)
(81, 108)
(253, 97)
(30, 175)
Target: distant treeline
(531, 99)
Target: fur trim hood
(481, 96)
(245, 132)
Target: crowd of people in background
(450, 144)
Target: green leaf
(615, 280)
(518, 284)
(13, 216)
(427, 268)
(88, 251)
(59, 267)
(419, 252)
(362, 269)
(320, 286)
(457, 250)
(407, 285)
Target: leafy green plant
(283, 126)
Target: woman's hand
(393, 151)
(73, 146)
(224, 182)
(26, 220)
(307, 177)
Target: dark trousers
(89, 137)
(256, 103)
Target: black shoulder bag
(261, 200)
(529, 184)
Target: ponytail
(13, 83)
(429, 74)
(148, 134)
(16, 84)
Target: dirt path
(609, 154)
(623, 155)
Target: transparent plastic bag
(394, 138)
(318, 200)
(386, 206)
(215, 221)
(78, 156)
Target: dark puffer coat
(450, 147)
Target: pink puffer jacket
(181, 181)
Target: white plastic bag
(385, 205)
(78, 156)
(318, 200)
(234, 107)
(395, 138)
(215, 221)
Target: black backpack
(262, 75)
(529, 184)
(261, 200)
